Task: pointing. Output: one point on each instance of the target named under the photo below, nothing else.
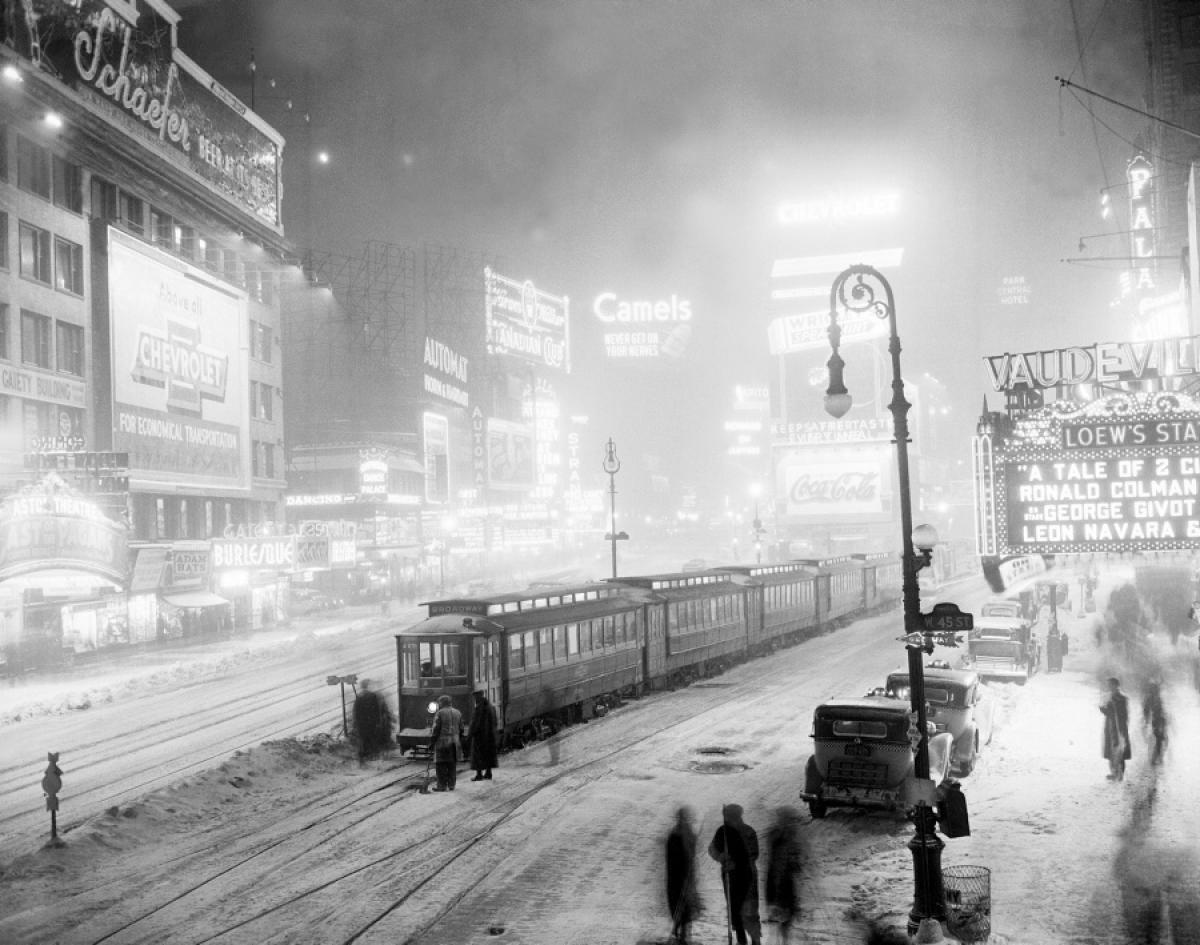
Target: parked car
(956, 702)
(862, 756)
(1002, 607)
(311, 600)
(1003, 648)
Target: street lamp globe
(925, 537)
(838, 405)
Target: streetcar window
(560, 643)
(454, 660)
(410, 665)
(516, 655)
(531, 653)
(545, 644)
(478, 648)
(431, 659)
(572, 639)
(609, 632)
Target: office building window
(266, 406)
(3, 240)
(269, 460)
(35, 253)
(212, 258)
(162, 229)
(3, 152)
(68, 265)
(35, 339)
(104, 199)
(133, 213)
(33, 167)
(68, 345)
(68, 185)
(185, 241)
(255, 452)
(160, 518)
(4, 330)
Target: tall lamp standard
(863, 290)
(612, 466)
(756, 494)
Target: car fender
(941, 746)
(965, 743)
(812, 776)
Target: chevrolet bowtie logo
(177, 361)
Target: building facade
(142, 262)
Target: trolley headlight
(431, 708)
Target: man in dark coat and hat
(483, 734)
(784, 861)
(735, 847)
(1116, 729)
(372, 722)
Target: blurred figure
(785, 859)
(482, 735)
(735, 847)
(372, 722)
(1115, 709)
(683, 897)
(1154, 718)
(1054, 651)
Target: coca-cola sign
(834, 489)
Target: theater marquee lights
(1118, 474)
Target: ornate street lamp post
(612, 466)
(862, 290)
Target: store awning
(195, 599)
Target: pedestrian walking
(1116, 729)
(784, 861)
(1154, 718)
(683, 895)
(446, 744)
(372, 722)
(482, 735)
(1054, 651)
(735, 847)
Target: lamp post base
(929, 902)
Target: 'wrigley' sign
(1111, 362)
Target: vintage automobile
(1002, 607)
(956, 702)
(862, 756)
(1003, 648)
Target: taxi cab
(957, 703)
(862, 756)
(1003, 648)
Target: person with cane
(735, 847)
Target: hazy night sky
(643, 147)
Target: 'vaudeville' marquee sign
(1113, 362)
(1118, 474)
(121, 56)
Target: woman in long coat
(483, 735)
(1116, 730)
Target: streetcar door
(485, 673)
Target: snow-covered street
(294, 842)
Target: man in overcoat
(483, 734)
(1116, 729)
(735, 847)
(446, 744)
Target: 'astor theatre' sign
(1118, 474)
